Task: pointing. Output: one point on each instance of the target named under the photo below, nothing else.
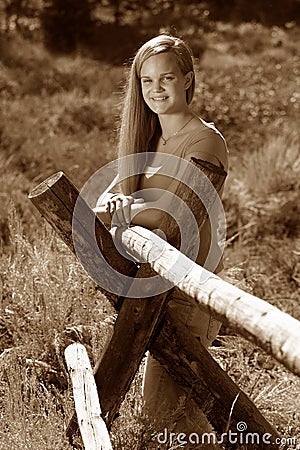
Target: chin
(161, 109)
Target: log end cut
(44, 185)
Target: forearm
(149, 218)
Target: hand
(121, 208)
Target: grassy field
(61, 113)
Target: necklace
(176, 132)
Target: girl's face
(164, 85)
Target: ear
(188, 79)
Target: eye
(146, 80)
(168, 78)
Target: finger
(138, 200)
(115, 219)
(126, 209)
(120, 212)
(120, 209)
(111, 207)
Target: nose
(157, 86)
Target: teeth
(160, 99)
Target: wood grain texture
(275, 331)
(59, 202)
(92, 426)
(188, 362)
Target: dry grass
(47, 302)
(274, 167)
(31, 414)
(271, 387)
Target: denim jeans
(163, 398)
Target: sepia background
(62, 69)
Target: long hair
(140, 128)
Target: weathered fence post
(133, 240)
(92, 426)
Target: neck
(171, 123)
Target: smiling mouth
(159, 99)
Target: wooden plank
(133, 331)
(92, 426)
(127, 343)
(207, 181)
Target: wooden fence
(148, 323)
(92, 426)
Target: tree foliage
(267, 12)
(14, 10)
(66, 23)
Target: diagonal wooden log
(187, 361)
(41, 195)
(56, 199)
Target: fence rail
(273, 330)
(92, 426)
(148, 324)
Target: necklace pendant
(176, 132)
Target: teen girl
(157, 118)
